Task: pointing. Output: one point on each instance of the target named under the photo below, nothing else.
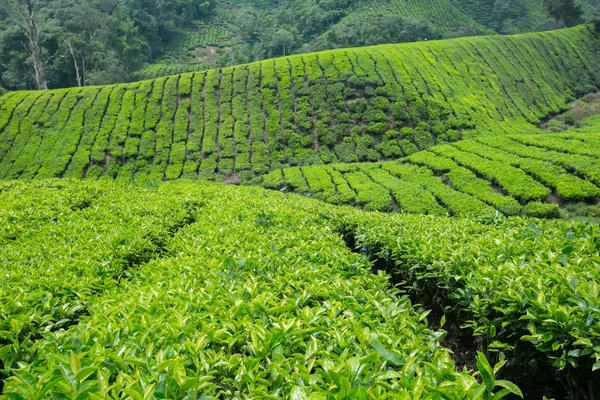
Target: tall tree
(23, 14)
(565, 12)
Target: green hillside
(223, 38)
(513, 174)
(483, 12)
(352, 105)
(191, 289)
(414, 220)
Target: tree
(565, 12)
(506, 13)
(283, 39)
(23, 14)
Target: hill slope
(513, 174)
(223, 38)
(364, 104)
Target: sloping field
(513, 174)
(355, 105)
(201, 289)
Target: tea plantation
(364, 104)
(513, 174)
(118, 291)
(422, 255)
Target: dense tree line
(84, 42)
(305, 26)
(565, 12)
(63, 43)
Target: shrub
(541, 210)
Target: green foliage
(122, 37)
(487, 374)
(474, 177)
(520, 284)
(365, 105)
(541, 210)
(564, 12)
(166, 293)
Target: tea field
(116, 291)
(113, 291)
(412, 238)
(514, 174)
(342, 106)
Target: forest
(95, 42)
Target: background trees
(63, 43)
(565, 12)
(60, 43)
(23, 16)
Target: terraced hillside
(514, 174)
(354, 105)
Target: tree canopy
(91, 41)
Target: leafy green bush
(167, 293)
(541, 210)
(529, 288)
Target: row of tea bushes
(356, 105)
(253, 296)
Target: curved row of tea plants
(166, 68)
(355, 105)
(514, 174)
(192, 290)
(527, 288)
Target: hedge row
(468, 177)
(528, 289)
(203, 290)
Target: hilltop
(243, 31)
(68, 43)
(352, 105)
(251, 31)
